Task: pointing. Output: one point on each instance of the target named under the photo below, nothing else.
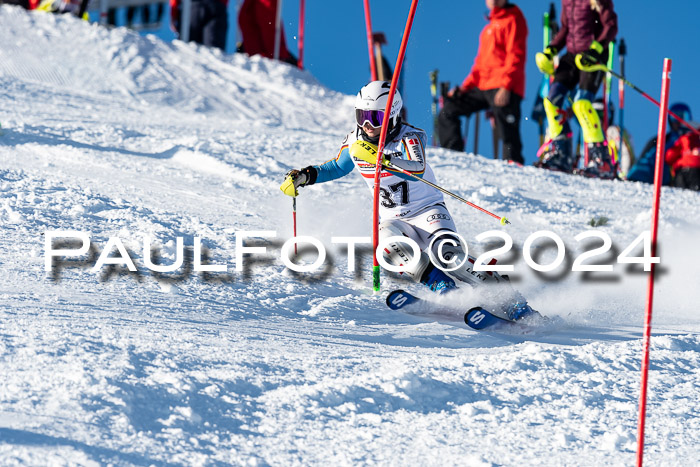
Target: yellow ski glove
(545, 60)
(591, 57)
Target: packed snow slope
(115, 135)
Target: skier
(587, 27)
(684, 159)
(408, 207)
(643, 169)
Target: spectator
(587, 27)
(496, 81)
(208, 21)
(684, 159)
(643, 169)
(257, 20)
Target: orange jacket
(500, 62)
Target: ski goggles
(373, 117)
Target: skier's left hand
(367, 152)
(593, 55)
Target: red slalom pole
(370, 41)
(382, 140)
(300, 39)
(658, 179)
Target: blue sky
(445, 37)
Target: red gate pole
(658, 179)
(370, 41)
(300, 39)
(382, 140)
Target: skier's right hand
(293, 180)
(545, 60)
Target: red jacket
(257, 18)
(500, 62)
(582, 22)
(685, 153)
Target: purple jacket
(582, 22)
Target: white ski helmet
(370, 104)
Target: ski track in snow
(114, 134)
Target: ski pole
(601, 67)
(434, 105)
(621, 93)
(503, 220)
(294, 219)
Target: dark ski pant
(475, 100)
(209, 23)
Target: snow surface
(114, 134)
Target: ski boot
(599, 165)
(437, 281)
(559, 156)
(519, 310)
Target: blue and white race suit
(401, 196)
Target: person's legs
(508, 125)
(599, 160)
(400, 253)
(420, 229)
(438, 236)
(559, 156)
(688, 178)
(198, 15)
(214, 31)
(449, 123)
